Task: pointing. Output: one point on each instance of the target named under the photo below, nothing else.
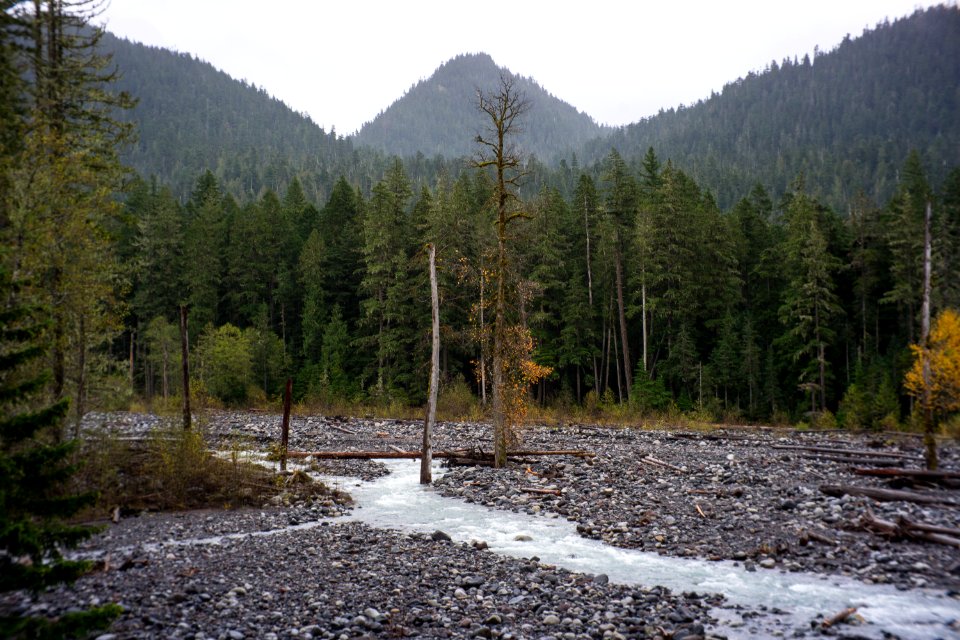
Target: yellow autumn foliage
(520, 373)
(943, 354)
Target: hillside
(192, 117)
(439, 115)
(845, 119)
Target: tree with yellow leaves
(934, 378)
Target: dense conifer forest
(756, 256)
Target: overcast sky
(344, 62)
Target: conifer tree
(810, 300)
(203, 252)
(61, 202)
(34, 469)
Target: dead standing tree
(504, 106)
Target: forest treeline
(845, 118)
(638, 290)
(638, 287)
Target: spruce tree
(34, 468)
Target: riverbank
(298, 571)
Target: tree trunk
(285, 425)
(427, 448)
(643, 312)
(483, 343)
(185, 360)
(627, 376)
(499, 335)
(81, 377)
(929, 426)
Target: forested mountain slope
(845, 119)
(192, 117)
(440, 116)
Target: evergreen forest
(757, 256)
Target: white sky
(344, 62)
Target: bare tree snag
(427, 459)
(929, 433)
(285, 428)
(185, 360)
(504, 108)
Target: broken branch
(838, 618)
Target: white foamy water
(398, 501)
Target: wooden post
(185, 359)
(426, 475)
(285, 430)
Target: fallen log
(807, 535)
(462, 454)
(849, 452)
(343, 430)
(546, 492)
(878, 462)
(913, 474)
(886, 495)
(838, 618)
(394, 447)
(905, 528)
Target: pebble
(704, 511)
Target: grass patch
(173, 469)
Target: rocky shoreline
(296, 571)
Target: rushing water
(397, 501)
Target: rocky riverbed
(296, 570)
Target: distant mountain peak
(439, 115)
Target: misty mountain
(439, 115)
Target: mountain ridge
(552, 129)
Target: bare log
(913, 474)
(462, 454)
(904, 521)
(807, 535)
(886, 495)
(548, 492)
(848, 452)
(904, 528)
(838, 618)
(396, 448)
(877, 462)
(343, 430)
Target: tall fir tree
(35, 470)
